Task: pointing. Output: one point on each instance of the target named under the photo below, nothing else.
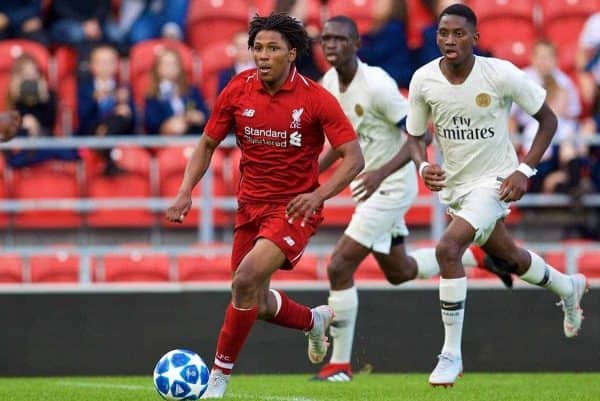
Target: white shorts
(481, 208)
(379, 219)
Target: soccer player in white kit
(384, 191)
(469, 100)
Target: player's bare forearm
(543, 138)
(198, 164)
(352, 163)
(327, 159)
(417, 148)
(402, 157)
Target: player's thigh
(260, 263)
(458, 236)
(501, 245)
(397, 258)
(375, 221)
(347, 256)
(481, 209)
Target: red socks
(290, 313)
(234, 332)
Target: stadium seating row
(63, 266)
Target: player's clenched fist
(10, 121)
(434, 177)
(180, 208)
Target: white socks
(453, 293)
(428, 266)
(544, 275)
(345, 306)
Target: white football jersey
(374, 105)
(471, 120)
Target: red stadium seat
(369, 270)
(556, 259)
(10, 50)
(142, 58)
(562, 24)
(210, 19)
(518, 52)
(214, 57)
(305, 270)
(134, 183)
(213, 267)
(312, 10)
(171, 166)
(135, 266)
(418, 18)
(65, 59)
(50, 180)
(60, 267)
(358, 10)
(505, 21)
(589, 263)
(11, 269)
(3, 193)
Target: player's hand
(434, 177)
(513, 187)
(303, 207)
(10, 121)
(180, 208)
(368, 181)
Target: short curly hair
(290, 28)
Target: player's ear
(292, 55)
(475, 38)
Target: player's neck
(457, 73)
(346, 73)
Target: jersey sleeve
(335, 124)
(222, 119)
(521, 89)
(418, 109)
(389, 101)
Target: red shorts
(267, 220)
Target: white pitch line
(148, 388)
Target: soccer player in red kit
(280, 119)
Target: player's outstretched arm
(371, 180)
(515, 185)
(194, 171)
(304, 205)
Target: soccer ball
(181, 375)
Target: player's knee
(244, 283)
(448, 251)
(339, 268)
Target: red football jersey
(280, 135)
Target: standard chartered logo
(272, 137)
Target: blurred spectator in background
(242, 60)
(105, 107)
(588, 65)
(81, 23)
(299, 9)
(28, 93)
(173, 106)
(563, 98)
(140, 20)
(386, 44)
(22, 19)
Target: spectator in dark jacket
(105, 107)
(173, 107)
(242, 60)
(22, 19)
(28, 93)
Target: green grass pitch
(365, 387)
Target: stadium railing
(206, 203)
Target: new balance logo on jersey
(296, 116)
(289, 240)
(248, 112)
(296, 139)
